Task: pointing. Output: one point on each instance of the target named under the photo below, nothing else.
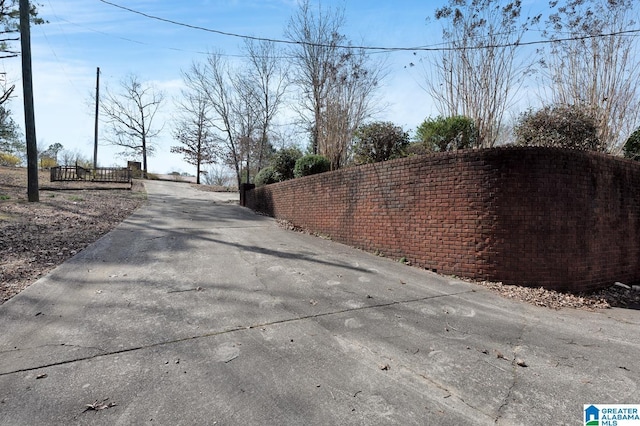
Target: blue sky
(84, 34)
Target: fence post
(244, 188)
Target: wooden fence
(101, 174)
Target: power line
(375, 48)
(134, 41)
(248, 37)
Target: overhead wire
(372, 48)
(143, 43)
(256, 38)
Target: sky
(82, 35)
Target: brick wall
(561, 219)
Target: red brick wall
(561, 219)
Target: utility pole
(95, 138)
(29, 116)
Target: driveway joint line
(232, 330)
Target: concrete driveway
(195, 311)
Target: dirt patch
(36, 237)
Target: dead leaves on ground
(35, 237)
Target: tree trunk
(144, 157)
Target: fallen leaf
(521, 362)
(97, 405)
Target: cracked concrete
(515, 369)
(507, 397)
(212, 314)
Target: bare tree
(6, 89)
(588, 68)
(218, 175)
(130, 116)
(74, 157)
(351, 90)
(337, 82)
(318, 37)
(478, 73)
(269, 81)
(246, 119)
(199, 145)
(213, 79)
(244, 101)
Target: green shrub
(417, 148)
(632, 146)
(310, 165)
(284, 161)
(267, 176)
(562, 126)
(447, 134)
(9, 160)
(379, 141)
